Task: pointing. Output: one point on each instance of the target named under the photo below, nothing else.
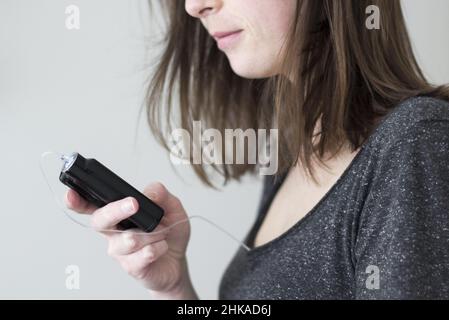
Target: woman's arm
(182, 291)
(402, 246)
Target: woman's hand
(158, 261)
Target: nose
(202, 8)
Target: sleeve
(402, 244)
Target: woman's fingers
(125, 243)
(107, 217)
(76, 203)
(136, 264)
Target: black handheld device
(100, 186)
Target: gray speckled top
(380, 232)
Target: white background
(81, 91)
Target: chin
(251, 67)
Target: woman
(360, 205)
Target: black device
(100, 186)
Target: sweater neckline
(249, 241)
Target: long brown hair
(339, 72)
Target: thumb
(159, 194)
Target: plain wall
(81, 90)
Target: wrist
(182, 290)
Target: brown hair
(339, 72)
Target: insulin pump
(100, 186)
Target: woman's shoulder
(409, 120)
(420, 108)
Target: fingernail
(128, 206)
(148, 253)
(129, 240)
(69, 199)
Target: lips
(226, 39)
(221, 35)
